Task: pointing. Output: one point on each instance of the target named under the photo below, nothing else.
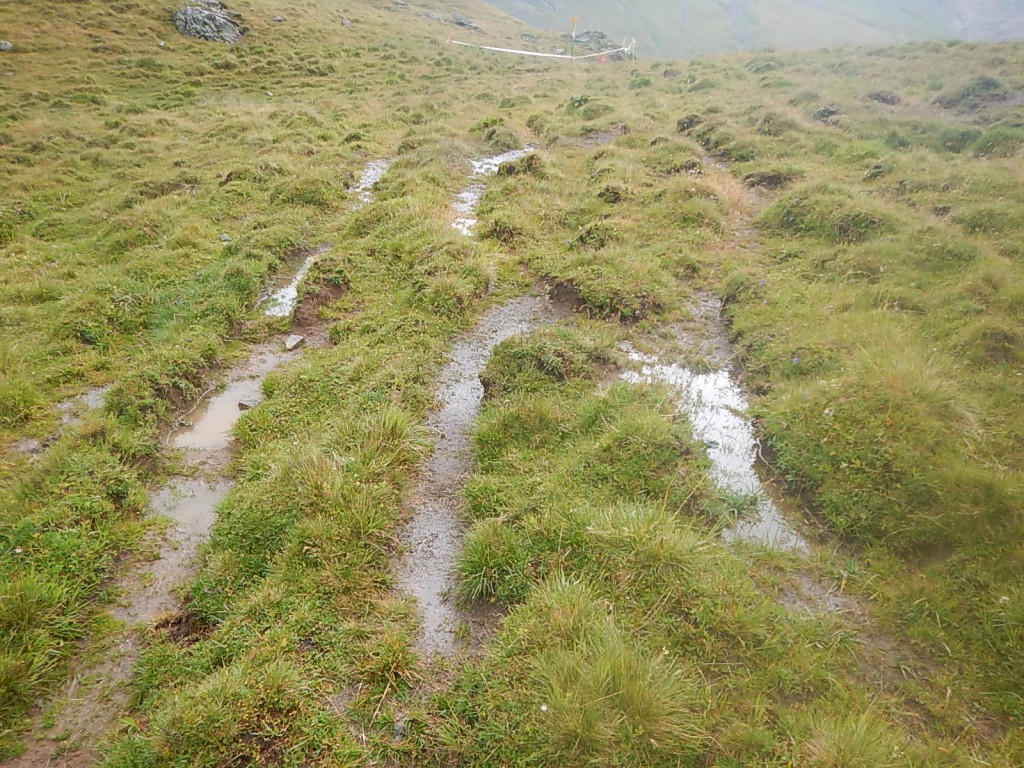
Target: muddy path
(434, 536)
(717, 405)
(70, 727)
(468, 200)
(89, 706)
(282, 299)
(713, 396)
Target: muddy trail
(282, 299)
(96, 695)
(468, 200)
(71, 726)
(716, 404)
(434, 535)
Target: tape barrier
(624, 49)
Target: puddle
(190, 504)
(73, 410)
(210, 425)
(96, 695)
(717, 408)
(434, 536)
(281, 302)
(372, 173)
(468, 200)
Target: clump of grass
(549, 357)
(609, 700)
(830, 214)
(20, 401)
(972, 94)
(854, 740)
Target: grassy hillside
(694, 27)
(857, 212)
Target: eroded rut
(88, 707)
(468, 200)
(434, 536)
(717, 407)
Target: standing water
(468, 200)
(434, 537)
(717, 408)
(281, 302)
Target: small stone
(822, 114)
(270, 93)
(294, 341)
(6, 46)
(400, 731)
(248, 404)
(278, 19)
(346, 23)
(225, 238)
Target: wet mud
(468, 200)
(434, 536)
(94, 698)
(281, 301)
(72, 413)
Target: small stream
(468, 200)
(434, 536)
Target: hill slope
(839, 235)
(687, 28)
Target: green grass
(871, 270)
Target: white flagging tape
(624, 49)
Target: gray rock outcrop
(209, 21)
(462, 21)
(6, 46)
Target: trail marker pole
(572, 47)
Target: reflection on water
(717, 408)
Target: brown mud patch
(307, 313)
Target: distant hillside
(689, 28)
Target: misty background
(687, 28)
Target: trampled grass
(869, 257)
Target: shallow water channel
(468, 200)
(96, 694)
(718, 408)
(434, 536)
(281, 301)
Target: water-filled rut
(717, 407)
(96, 695)
(468, 200)
(434, 535)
